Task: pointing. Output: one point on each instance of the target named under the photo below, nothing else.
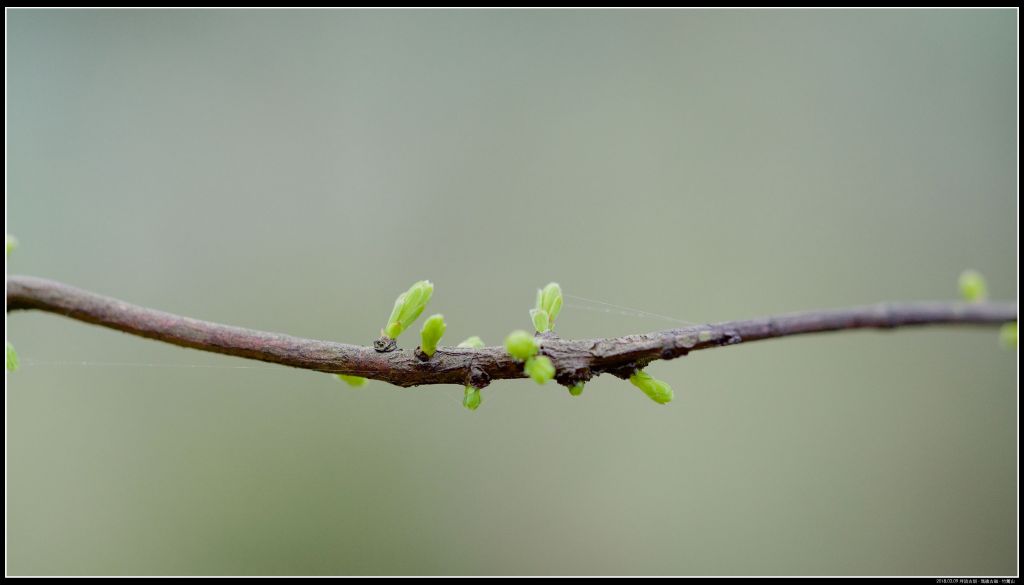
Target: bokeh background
(295, 170)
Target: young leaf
(408, 307)
(12, 357)
(11, 243)
(540, 320)
(472, 343)
(1008, 335)
(394, 326)
(576, 389)
(471, 399)
(540, 369)
(433, 330)
(353, 381)
(551, 302)
(521, 345)
(972, 286)
(656, 390)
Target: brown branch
(574, 360)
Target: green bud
(12, 357)
(549, 300)
(472, 398)
(408, 307)
(540, 369)
(521, 345)
(656, 390)
(1008, 335)
(433, 330)
(540, 320)
(972, 286)
(353, 381)
(472, 343)
(11, 243)
(576, 389)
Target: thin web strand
(620, 309)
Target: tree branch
(574, 360)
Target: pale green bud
(472, 343)
(972, 286)
(471, 399)
(408, 307)
(576, 389)
(656, 390)
(540, 320)
(1008, 335)
(11, 243)
(549, 300)
(12, 357)
(521, 345)
(433, 329)
(353, 381)
(540, 369)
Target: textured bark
(574, 360)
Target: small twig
(574, 360)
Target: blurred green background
(295, 170)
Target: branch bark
(574, 360)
